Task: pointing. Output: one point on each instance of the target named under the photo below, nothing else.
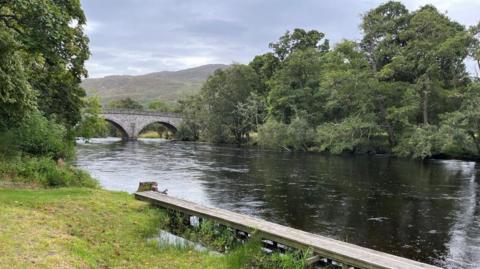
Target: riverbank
(77, 224)
(85, 228)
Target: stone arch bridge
(132, 122)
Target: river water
(428, 211)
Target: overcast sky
(142, 36)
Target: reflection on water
(427, 211)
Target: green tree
(160, 105)
(223, 94)
(265, 66)
(91, 123)
(299, 39)
(295, 87)
(437, 48)
(192, 108)
(381, 27)
(126, 103)
(475, 46)
(50, 38)
(463, 125)
(17, 98)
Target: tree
(160, 105)
(50, 37)
(265, 66)
(126, 103)
(437, 48)
(248, 115)
(381, 27)
(17, 98)
(424, 48)
(299, 39)
(223, 95)
(295, 87)
(92, 123)
(466, 119)
(475, 46)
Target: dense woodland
(402, 89)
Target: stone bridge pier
(132, 122)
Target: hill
(166, 85)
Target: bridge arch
(170, 127)
(132, 122)
(119, 127)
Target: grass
(94, 228)
(86, 228)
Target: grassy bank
(85, 228)
(54, 216)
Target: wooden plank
(339, 251)
(312, 260)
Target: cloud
(141, 36)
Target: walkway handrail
(348, 255)
(141, 112)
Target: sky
(133, 37)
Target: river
(427, 211)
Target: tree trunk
(392, 141)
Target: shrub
(38, 136)
(272, 134)
(351, 135)
(423, 142)
(185, 133)
(296, 136)
(300, 136)
(45, 172)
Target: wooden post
(147, 186)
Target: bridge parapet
(141, 112)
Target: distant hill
(166, 85)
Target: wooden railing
(326, 251)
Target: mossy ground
(86, 228)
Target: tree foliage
(403, 89)
(17, 98)
(160, 105)
(228, 105)
(126, 103)
(50, 51)
(92, 123)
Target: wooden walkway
(343, 254)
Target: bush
(300, 136)
(38, 136)
(272, 134)
(423, 142)
(45, 172)
(185, 133)
(296, 136)
(352, 134)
